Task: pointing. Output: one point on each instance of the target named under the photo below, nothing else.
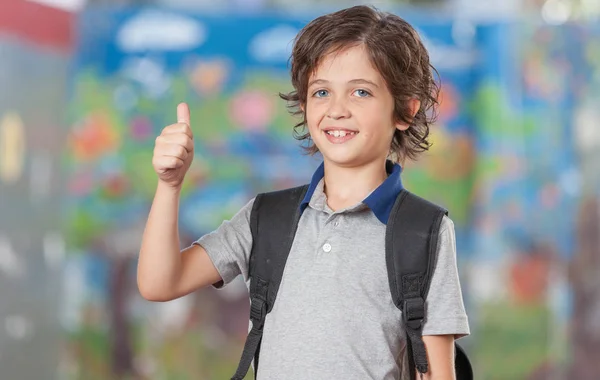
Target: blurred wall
(35, 49)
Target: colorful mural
(504, 162)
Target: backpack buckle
(413, 312)
(258, 310)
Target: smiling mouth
(336, 136)
(340, 133)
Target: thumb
(183, 113)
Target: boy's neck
(347, 186)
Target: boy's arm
(440, 355)
(163, 272)
(446, 319)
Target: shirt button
(327, 247)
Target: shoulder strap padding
(411, 246)
(273, 223)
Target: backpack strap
(411, 247)
(272, 240)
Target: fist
(174, 149)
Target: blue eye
(321, 93)
(362, 93)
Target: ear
(413, 105)
(302, 107)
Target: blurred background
(85, 86)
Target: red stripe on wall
(40, 24)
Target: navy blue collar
(380, 201)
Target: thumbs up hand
(174, 149)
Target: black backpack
(411, 246)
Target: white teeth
(337, 133)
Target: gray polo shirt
(334, 317)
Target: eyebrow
(353, 81)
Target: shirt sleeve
(229, 246)
(445, 309)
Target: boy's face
(349, 109)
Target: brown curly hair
(395, 50)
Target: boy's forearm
(159, 262)
(440, 355)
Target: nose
(338, 108)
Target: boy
(364, 88)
